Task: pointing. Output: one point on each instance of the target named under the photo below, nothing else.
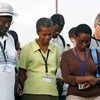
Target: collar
(34, 44)
(4, 38)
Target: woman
(38, 64)
(95, 41)
(78, 68)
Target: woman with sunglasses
(78, 68)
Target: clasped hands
(87, 81)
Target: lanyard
(45, 60)
(3, 48)
(80, 62)
(96, 41)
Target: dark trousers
(62, 97)
(38, 97)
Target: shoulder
(93, 38)
(63, 40)
(9, 37)
(31, 46)
(67, 53)
(53, 47)
(26, 46)
(13, 34)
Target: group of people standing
(46, 70)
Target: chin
(83, 48)
(55, 36)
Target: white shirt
(7, 68)
(58, 42)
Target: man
(59, 22)
(7, 53)
(95, 41)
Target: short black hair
(58, 19)
(83, 28)
(43, 22)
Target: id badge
(47, 79)
(80, 86)
(7, 69)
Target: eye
(50, 34)
(46, 34)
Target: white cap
(6, 10)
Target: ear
(72, 39)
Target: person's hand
(93, 81)
(19, 90)
(83, 79)
(90, 80)
(86, 85)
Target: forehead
(84, 35)
(46, 29)
(56, 26)
(5, 17)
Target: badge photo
(80, 86)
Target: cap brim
(8, 14)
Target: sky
(75, 12)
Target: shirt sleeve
(23, 58)
(68, 78)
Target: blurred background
(74, 11)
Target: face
(73, 41)
(97, 29)
(83, 41)
(57, 31)
(5, 22)
(45, 35)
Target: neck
(43, 47)
(79, 50)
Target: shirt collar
(34, 44)
(4, 38)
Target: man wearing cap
(95, 41)
(7, 53)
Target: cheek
(73, 40)
(97, 28)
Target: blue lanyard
(83, 70)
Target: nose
(84, 44)
(7, 24)
(47, 37)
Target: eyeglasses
(81, 41)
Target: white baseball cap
(6, 10)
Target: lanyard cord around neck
(3, 48)
(83, 70)
(45, 60)
(96, 41)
